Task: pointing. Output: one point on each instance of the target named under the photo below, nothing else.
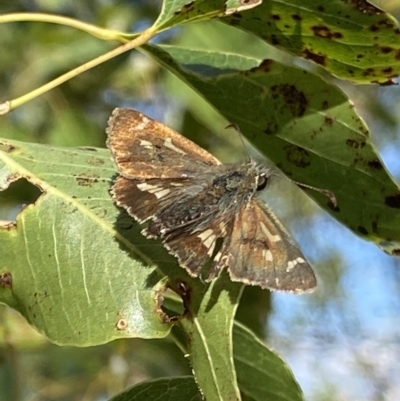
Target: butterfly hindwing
(199, 246)
(144, 198)
(262, 252)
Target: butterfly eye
(262, 182)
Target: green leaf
(353, 40)
(75, 275)
(208, 327)
(177, 12)
(306, 126)
(165, 389)
(262, 374)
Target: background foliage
(342, 341)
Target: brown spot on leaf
(271, 129)
(295, 100)
(265, 65)
(355, 144)
(298, 156)
(6, 280)
(358, 158)
(317, 58)
(89, 148)
(276, 17)
(122, 324)
(7, 147)
(296, 17)
(386, 49)
(383, 24)
(39, 296)
(387, 70)
(186, 8)
(323, 31)
(328, 120)
(375, 164)
(86, 181)
(386, 23)
(393, 201)
(160, 306)
(368, 72)
(274, 40)
(362, 230)
(95, 161)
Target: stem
(101, 33)
(143, 38)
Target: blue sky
(350, 342)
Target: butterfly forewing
(144, 148)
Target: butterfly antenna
(237, 129)
(328, 193)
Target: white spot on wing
(208, 238)
(162, 193)
(142, 124)
(225, 260)
(168, 144)
(159, 192)
(271, 237)
(222, 227)
(147, 187)
(146, 144)
(217, 257)
(267, 254)
(293, 263)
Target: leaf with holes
(69, 263)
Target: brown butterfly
(201, 209)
